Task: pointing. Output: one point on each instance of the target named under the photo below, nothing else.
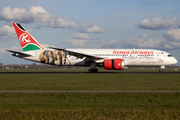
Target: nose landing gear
(160, 70)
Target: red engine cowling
(115, 64)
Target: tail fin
(27, 41)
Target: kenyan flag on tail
(27, 41)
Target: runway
(89, 91)
(89, 73)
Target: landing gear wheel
(93, 70)
(160, 70)
(90, 70)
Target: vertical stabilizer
(27, 41)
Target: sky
(118, 24)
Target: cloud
(7, 30)
(170, 40)
(32, 15)
(145, 42)
(62, 23)
(178, 23)
(85, 36)
(173, 35)
(59, 23)
(79, 43)
(3, 51)
(94, 28)
(16, 48)
(157, 23)
(110, 44)
(70, 24)
(37, 14)
(74, 43)
(45, 45)
(6, 57)
(29, 30)
(7, 33)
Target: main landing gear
(95, 70)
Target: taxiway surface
(89, 73)
(89, 91)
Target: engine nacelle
(115, 64)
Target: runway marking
(89, 91)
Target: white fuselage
(131, 57)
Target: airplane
(110, 59)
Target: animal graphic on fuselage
(64, 56)
(57, 56)
(60, 56)
(45, 56)
(50, 57)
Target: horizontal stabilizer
(19, 53)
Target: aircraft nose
(175, 61)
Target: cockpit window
(169, 55)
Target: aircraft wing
(19, 53)
(79, 55)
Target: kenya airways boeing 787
(111, 59)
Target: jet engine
(115, 64)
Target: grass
(107, 82)
(90, 106)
